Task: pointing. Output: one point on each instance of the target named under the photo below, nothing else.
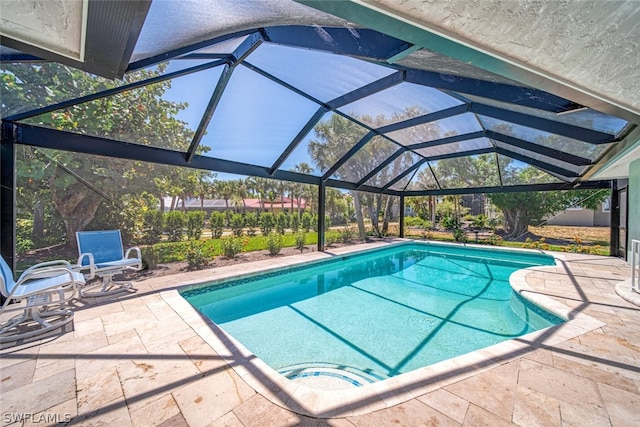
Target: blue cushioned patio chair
(102, 255)
(35, 293)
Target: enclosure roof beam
(308, 127)
(557, 186)
(427, 118)
(463, 153)
(368, 44)
(447, 140)
(547, 167)
(525, 96)
(406, 172)
(540, 149)
(208, 112)
(540, 123)
(348, 155)
(60, 140)
(381, 166)
(113, 91)
(367, 90)
(180, 52)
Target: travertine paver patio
(135, 361)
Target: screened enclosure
(328, 104)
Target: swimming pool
(371, 316)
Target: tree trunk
(37, 234)
(432, 208)
(77, 205)
(388, 211)
(226, 202)
(359, 216)
(372, 206)
(516, 223)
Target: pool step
(329, 376)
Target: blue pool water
(377, 314)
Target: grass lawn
(556, 238)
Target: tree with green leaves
(520, 209)
(299, 190)
(77, 184)
(334, 137)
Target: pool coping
(390, 392)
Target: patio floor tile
(411, 413)
(561, 385)
(203, 401)
(97, 390)
(40, 395)
(258, 410)
(140, 359)
(478, 417)
(533, 409)
(621, 405)
(493, 390)
(160, 411)
(17, 375)
(448, 403)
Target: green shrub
(479, 222)
(274, 243)
(196, 255)
(267, 222)
(493, 223)
(195, 223)
(251, 221)
(494, 240)
(216, 223)
(237, 224)
(347, 234)
(294, 224)
(282, 222)
(152, 226)
(174, 225)
(306, 221)
(301, 239)
(24, 228)
(232, 246)
(331, 237)
(459, 235)
(449, 222)
(414, 221)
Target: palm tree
(225, 190)
(242, 192)
(259, 187)
(272, 195)
(281, 187)
(300, 188)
